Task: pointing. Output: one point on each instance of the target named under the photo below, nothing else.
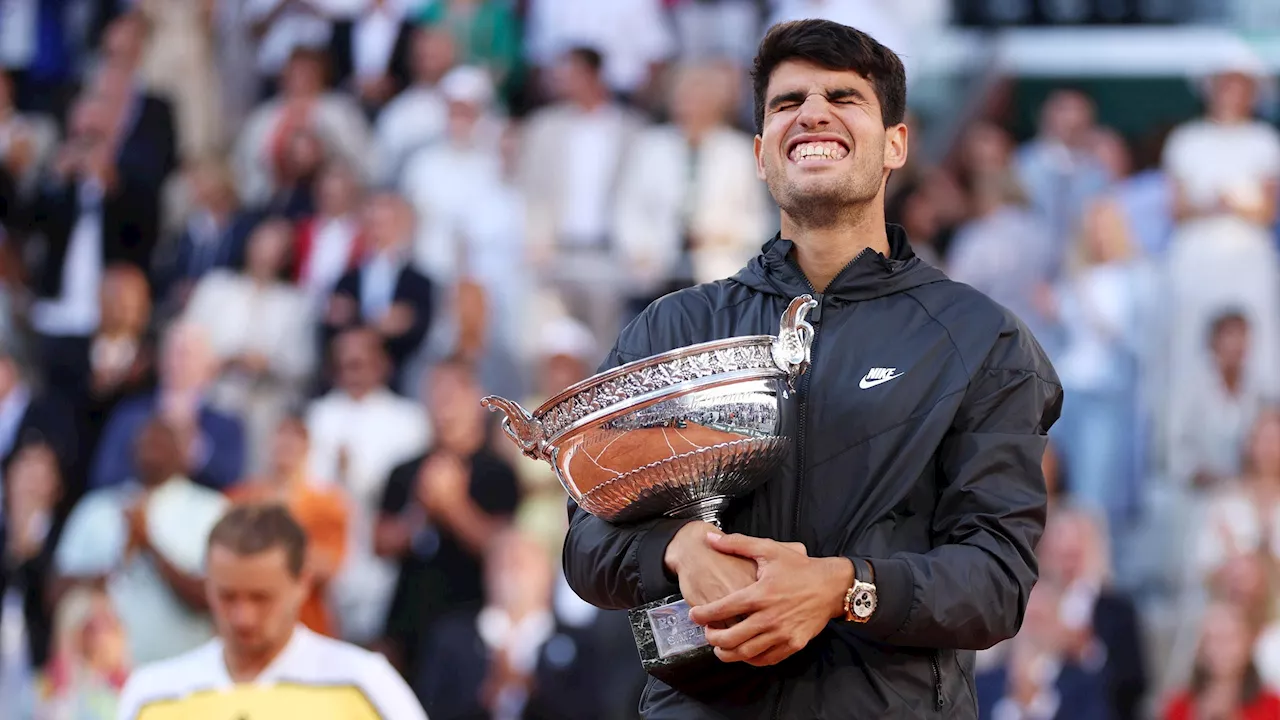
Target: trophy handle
(795, 337)
(524, 429)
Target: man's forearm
(618, 567)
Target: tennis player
(264, 664)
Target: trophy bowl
(678, 434)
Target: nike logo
(879, 376)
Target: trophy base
(670, 644)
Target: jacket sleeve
(611, 566)
(971, 590)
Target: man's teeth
(827, 150)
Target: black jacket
(934, 476)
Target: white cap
(467, 84)
(565, 336)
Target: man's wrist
(692, 531)
(840, 579)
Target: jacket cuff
(655, 581)
(895, 594)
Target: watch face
(864, 602)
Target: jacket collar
(867, 276)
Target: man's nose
(815, 112)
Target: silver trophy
(679, 434)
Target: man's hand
(397, 320)
(444, 483)
(136, 518)
(705, 574)
(792, 600)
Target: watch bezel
(862, 601)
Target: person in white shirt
(359, 433)
(1225, 170)
(264, 663)
(416, 117)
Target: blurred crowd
(280, 249)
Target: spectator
(262, 156)
(446, 247)
(121, 356)
(440, 511)
(690, 208)
(513, 658)
(27, 142)
(90, 662)
(385, 293)
(1059, 167)
(280, 28)
(633, 35)
(359, 432)
(573, 154)
(1102, 621)
(1146, 196)
(140, 127)
(485, 32)
(30, 415)
(1243, 516)
(1003, 250)
(322, 511)
(416, 116)
(1212, 417)
(1043, 675)
(1225, 168)
(211, 442)
(171, 47)
(565, 354)
(31, 524)
(144, 541)
(330, 243)
(1102, 306)
(213, 236)
(88, 217)
(1225, 682)
(259, 329)
(370, 52)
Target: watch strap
(863, 572)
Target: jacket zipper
(939, 699)
(815, 319)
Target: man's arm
(971, 590)
(220, 459)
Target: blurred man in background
(263, 662)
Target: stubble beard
(827, 204)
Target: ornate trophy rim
(654, 378)
(652, 361)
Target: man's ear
(759, 150)
(895, 147)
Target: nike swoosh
(865, 383)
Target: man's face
(359, 363)
(253, 598)
(156, 453)
(1231, 346)
(824, 146)
(387, 221)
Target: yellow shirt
(314, 677)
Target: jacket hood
(870, 275)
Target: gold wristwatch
(860, 599)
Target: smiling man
(915, 486)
